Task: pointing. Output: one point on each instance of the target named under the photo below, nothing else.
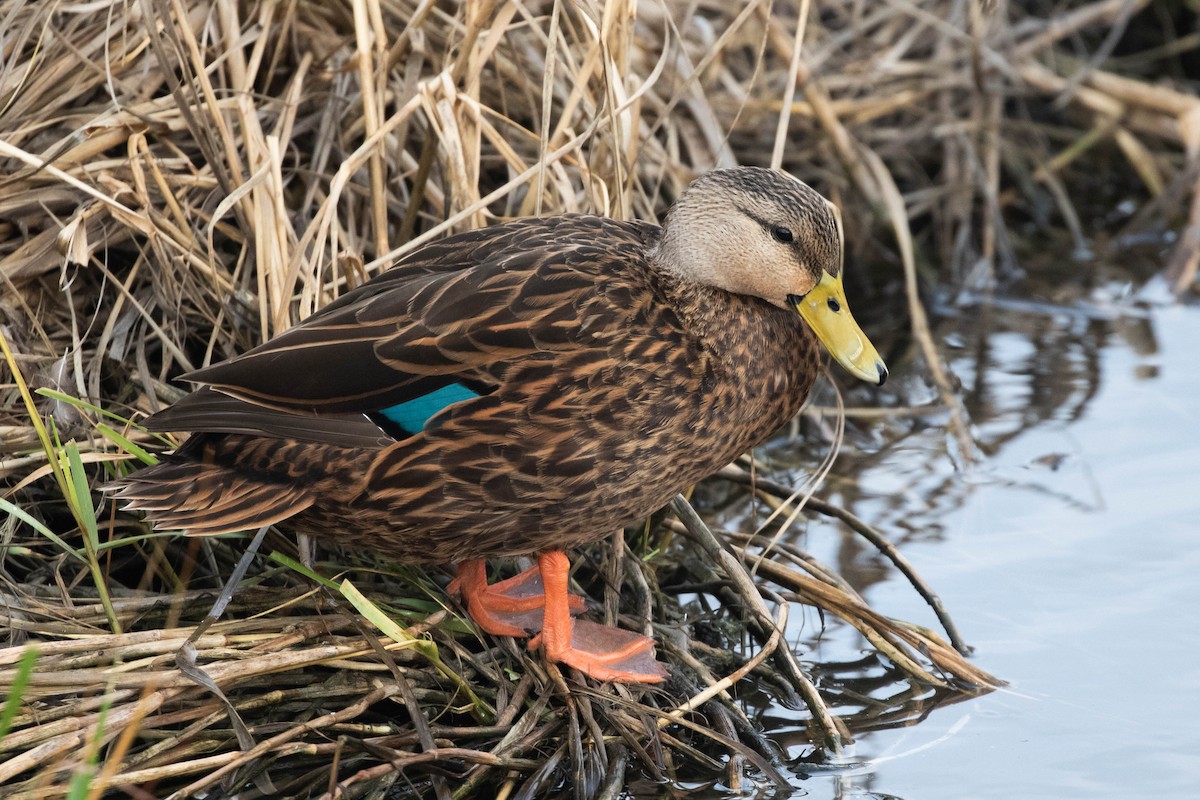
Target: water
(1069, 558)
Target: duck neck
(712, 315)
(699, 308)
(672, 252)
(746, 333)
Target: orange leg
(511, 607)
(603, 652)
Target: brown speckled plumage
(610, 379)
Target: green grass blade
(296, 566)
(79, 497)
(84, 405)
(35, 418)
(13, 510)
(379, 618)
(480, 709)
(12, 703)
(124, 540)
(125, 444)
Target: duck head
(763, 233)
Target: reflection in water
(1030, 373)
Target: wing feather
(456, 310)
(207, 499)
(208, 411)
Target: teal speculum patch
(411, 415)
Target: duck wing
(443, 325)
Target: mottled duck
(522, 389)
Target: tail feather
(206, 499)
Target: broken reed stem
(733, 569)
(877, 539)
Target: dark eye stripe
(780, 233)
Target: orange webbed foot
(604, 652)
(512, 607)
(601, 651)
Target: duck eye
(782, 234)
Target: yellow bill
(825, 311)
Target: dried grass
(180, 180)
